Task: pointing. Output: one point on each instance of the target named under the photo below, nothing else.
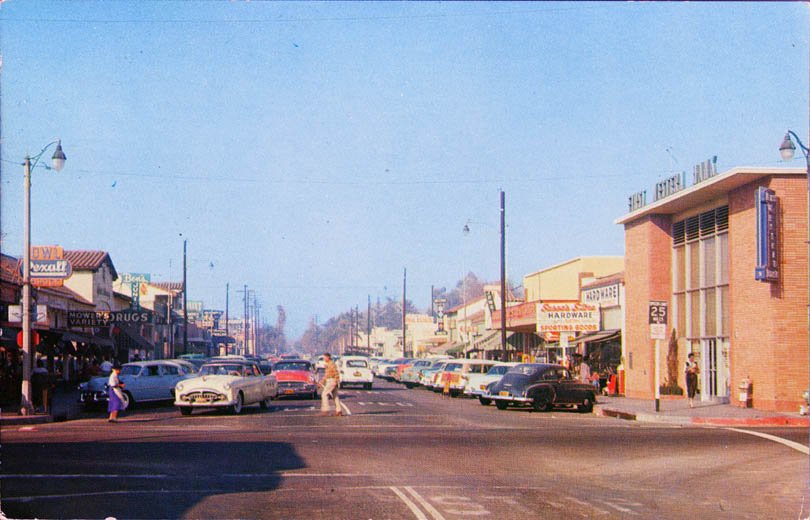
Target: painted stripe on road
(413, 507)
(790, 444)
(430, 509)
(345, 408)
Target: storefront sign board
(567, 317)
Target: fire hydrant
(746, 397)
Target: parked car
(354, 371)
(228, 383)
(477, 384)
(144, 381)
(412, 373)
(381, 365)
(541, 386)
(456, 374)
(296, 378)
(431, 377)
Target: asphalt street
(401, 454)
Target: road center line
(413, 507)
(790, 444)
(432, 510)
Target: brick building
(729, 255)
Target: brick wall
(648, 258)
(768, 321)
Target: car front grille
(202, 396)
(292, 384)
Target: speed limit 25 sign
(658, 320)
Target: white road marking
(413, 507)
(801, 448)
(345, 408)
(430, 509)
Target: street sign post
(658, 331)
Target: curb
(799, 422)
(14, 420)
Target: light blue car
(144, 381)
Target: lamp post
(788, 149)
(58, 162)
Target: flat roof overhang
(715, 187)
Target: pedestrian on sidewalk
(115, 399)
(691, 371)
(330, 385)
(585, 371)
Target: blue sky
(314, 150)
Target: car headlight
(226, 386)
(179, 387)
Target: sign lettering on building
(104, 318)
(49, 268)
(705, 170)
(767, 269)
(567, 317)
(607, 296)
(637, 201)
(670, 186)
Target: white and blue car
(144, 381)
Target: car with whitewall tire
(229, 384)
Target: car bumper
(295, 389)
(93, 397)
(509, 398)
(204, 399)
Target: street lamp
(58, 162)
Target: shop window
(711, 313)
(709, 263)
(722, 253)
(694, 311)
(693, 252)
(679, 269)
(680, 313)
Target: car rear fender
(541, 388)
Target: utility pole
(244, 319)
(368, 326)
(185, 301)
(404, 287)
(227, 297)
(503, 277)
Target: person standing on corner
(330, 385)
(691, 371)
(115, 399)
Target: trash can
(746, 397)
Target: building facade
(728, 255)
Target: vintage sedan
(456, 373)
(476, 385)
(354, 370)
(229, 383)
(541, 386)
(144, 381)
(296, 378)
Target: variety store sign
(104, 318)
(567, 317)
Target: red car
(296, 378)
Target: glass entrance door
(714, 372)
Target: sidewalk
(64, 406)
(677, 411)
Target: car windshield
(221, 370)
(526, 370)
(130, 370)
(292, 365)
(453, 367)
(357, 363)
(498, 370)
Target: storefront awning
(139, 341)
(598, 337)
(491, 341)
(87, 338)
